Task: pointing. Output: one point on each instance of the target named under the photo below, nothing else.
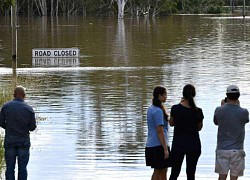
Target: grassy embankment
(6, 94)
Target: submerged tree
(111, 7)
(121, 5)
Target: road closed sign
(55, 53)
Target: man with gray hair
(231, 120)
(18, 119)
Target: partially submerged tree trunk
(121, 5)
(51, 8)
(155, 9)
(42, 7)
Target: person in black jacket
(187, 119)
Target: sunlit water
(94, 111)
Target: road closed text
(55, 53)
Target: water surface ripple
(93, 114)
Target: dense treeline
(113, 7)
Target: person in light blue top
(157, 150)
(155, 117)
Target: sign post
(14, 31)
(244, 8)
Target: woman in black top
(187, 121)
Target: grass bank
(7, 86)
(6, 91)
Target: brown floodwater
(92, 109)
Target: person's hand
(223, 102)
(166, 154)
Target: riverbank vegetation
(114, 7)
(6, 92)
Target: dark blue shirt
(18, 119)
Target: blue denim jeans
(21, 154)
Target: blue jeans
(22, 155)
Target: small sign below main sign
(58, 62)
(56, 53)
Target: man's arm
(32, 124)
(247, 115)
(215, 118)
(2, 119)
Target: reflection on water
(55, 62)
(96, 109)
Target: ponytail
(159, 90)
(189, 94)
(191, 103)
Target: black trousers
(191, 162)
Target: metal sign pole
(244, 8)
(14, 31)
(231, 6)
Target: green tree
(113, 7)
(212, 6)
(167, 7)
(96, 7)
(5, 4)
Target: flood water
(93, 109)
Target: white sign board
(56, 53)
(60, 62)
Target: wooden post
(51, 8)
(14, 73)
(14, 31)
(231, 6)
(14, 42)
(244, 8)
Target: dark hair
(233, 96)
(159, 90)
(189, 94)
